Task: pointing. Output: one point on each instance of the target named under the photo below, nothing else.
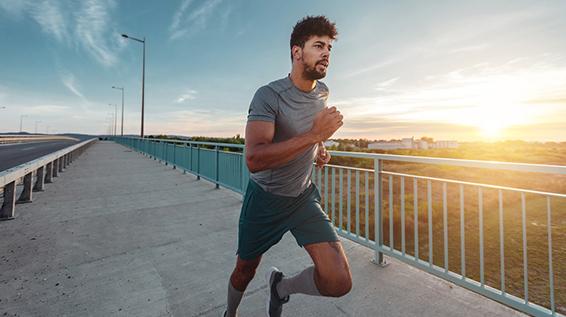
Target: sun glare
(498, 104)
(491, 129)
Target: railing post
(39, 180)
(198, 162)
(378, 193)
(183, 159)
(165, 152)
(9, 204)
(154, 150)
(56, 168)
(49, 173)
(191, 157)
(26, 195)
(174, 156)
(217, 168)
(60, 164)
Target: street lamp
(122, 125)
(115, 115)
(36, 126)
(110, 116)
(22, 121)
(143, 75)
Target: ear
(297, 52)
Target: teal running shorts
(266, 217)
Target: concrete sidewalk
(119, 234)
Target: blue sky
(475, 70)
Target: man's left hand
(322, 157)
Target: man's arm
(262, 153)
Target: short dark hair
(312, 26)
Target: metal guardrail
(7, 139)
(352, 211)
(35, 175)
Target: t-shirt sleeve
(263, 106)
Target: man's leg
(241, 276)
(330, 275)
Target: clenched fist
(326, 122)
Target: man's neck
(300, 82)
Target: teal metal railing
(407, 217)
(210, 161)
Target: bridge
(149, 228)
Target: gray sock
(234, 298)
(302, 283)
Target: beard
(311, 73)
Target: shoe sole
(267, 281)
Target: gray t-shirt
(293, 112)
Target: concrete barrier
(43, 168)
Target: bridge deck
(121, 234)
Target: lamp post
(36, 126)
(115, 115)
(22, 121)
(110, 116)
(143, 76)
(122, 125)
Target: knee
(336, 284)
(242, 275)
(245, 271)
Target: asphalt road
(15, 154)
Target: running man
(287, 122)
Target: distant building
(445, 144)
(330, 143)
(411, 143)
(408, 143)
(422, 144)
(385, 146)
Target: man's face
(315, 57)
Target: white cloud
(13, 7)
(179, 14)
(69, 81)
(469, 48)
(197, 122)
(379, 65)
(50, 18)
(89, 25)
(471, 96)
(189, 95)
(384, 84)
(46, 109)
(453, 37)
(190, 19)
(92, 28)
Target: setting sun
(496, 102)
(490, 130)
